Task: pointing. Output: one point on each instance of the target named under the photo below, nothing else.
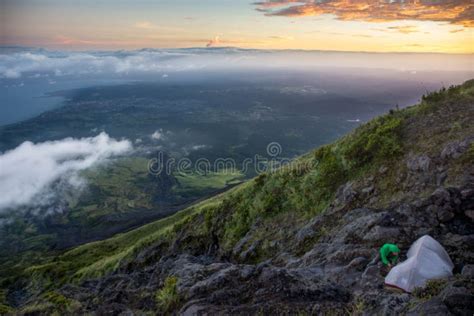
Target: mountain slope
(298, 239)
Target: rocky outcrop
(339, 272)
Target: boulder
(358, 263)
(418, 163)
(309, 230)
(368, 190)
(394, 304)
(346, 194)
(454, 150)
(443, 213)
(470, 214)
(379, 234)
(250, 252)
(441, 178)
(467, 193)
(440, 196)
(458, 299)
(468, 271)
(434, 306)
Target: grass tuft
(167, 298)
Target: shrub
(260, 179)
(331, 171)
(432, 288)
(379, 139)
(167, 298)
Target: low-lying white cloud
(161, 135)
(157, 135)
(38, 63)
(15, 65)
(30, 173)
(198, 147)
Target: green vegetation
(307, 186)
(432, 288)
(377, 140)
(52, 303)
(167, 298)
(98, 258)
(117, 187)
(122, 188)
(192, 184)
(357, 308)
(4, 309)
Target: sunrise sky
(345, 25)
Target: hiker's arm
(394, 260)
(383, 256)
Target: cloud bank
(460, 12)
(31, 173)
(45, 65)
(14, 65)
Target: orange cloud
(405, 29)
(460, 12)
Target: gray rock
(440, 196)
(434, 307)
(240, 245)
(358, 263)
(441, 178)
(358, 223)
(468, 271)
(394, 304)
(309, 230)
(470, 214)
(250, 252)
(458, 299)
(382, 234)
(419, 163)
(467, 193)
(455, 149)
(371, 272)
(304, 233)
(368, 190)
(445, 214)
(346, 193)
(459, 241)
(194, 308)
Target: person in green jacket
(389, 254)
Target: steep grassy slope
(382, 164)
(120, 195)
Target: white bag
(426, 260)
